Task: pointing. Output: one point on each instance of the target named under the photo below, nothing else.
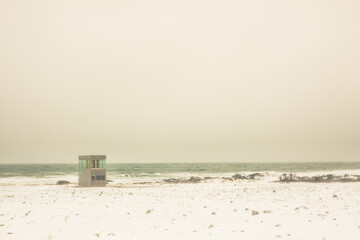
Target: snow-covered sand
(211, 210)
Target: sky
(180, 80)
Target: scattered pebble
(148, 211)
(253, 212)
(213, 213)
(211, 226)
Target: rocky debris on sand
(209, 178)
(298, 208)
(171, 180)
(143, 183)
(239, 176)
(253, 212)
(255, 176)
(62, 182)
(195, 179)
(323, 178)
(288, 177)
(228, 179)
(192, 179)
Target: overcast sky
(180, 81)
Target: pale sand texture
(212, 210)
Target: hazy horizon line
(264, 162)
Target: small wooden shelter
(92, 170)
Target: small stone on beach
(62, 182)
(254, 212)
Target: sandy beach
(210, 210)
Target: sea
(155, 172)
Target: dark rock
(316, 178)
(62, 182)
(209, 178)
(239, 176)
(330, 177)
(228, 178)
(304, 179)
(255, 176)
(142, 183)
(288, 177)
(194, 179)
(253, 212)
(171, 180)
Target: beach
(214, 209)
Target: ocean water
(136, 172)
